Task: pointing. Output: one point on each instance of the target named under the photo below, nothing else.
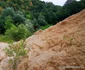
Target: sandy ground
(60, 47)
(2, 53)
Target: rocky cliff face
(60, 47)
(68, 2)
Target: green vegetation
(15, 51)
(17, 33)
(45, 27)
(21, 18)
(5, 39)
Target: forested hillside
(21, 18)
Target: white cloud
(57, 2)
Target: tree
(35, 24)
(19, 19)
(8, 23)
(41, 20)
(20, 13)
(73, 7)
(29, 25)
(2, 24)
(9, 11)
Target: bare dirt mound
(60, 47)
(2, 53)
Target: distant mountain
(68, 2)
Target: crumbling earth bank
(60, 47)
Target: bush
(18, 32)
(5, 39)
(15, 51)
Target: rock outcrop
(60, 47)
(68, 2)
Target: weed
(16, 51)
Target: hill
(60, 47)
(33, 14)
(69, 1)
(31, 8)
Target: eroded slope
(59, 47)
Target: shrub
(15, 51)
(5, 39)
(18, 32)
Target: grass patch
(5, 39)
(45, 27)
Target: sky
(57, 2)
